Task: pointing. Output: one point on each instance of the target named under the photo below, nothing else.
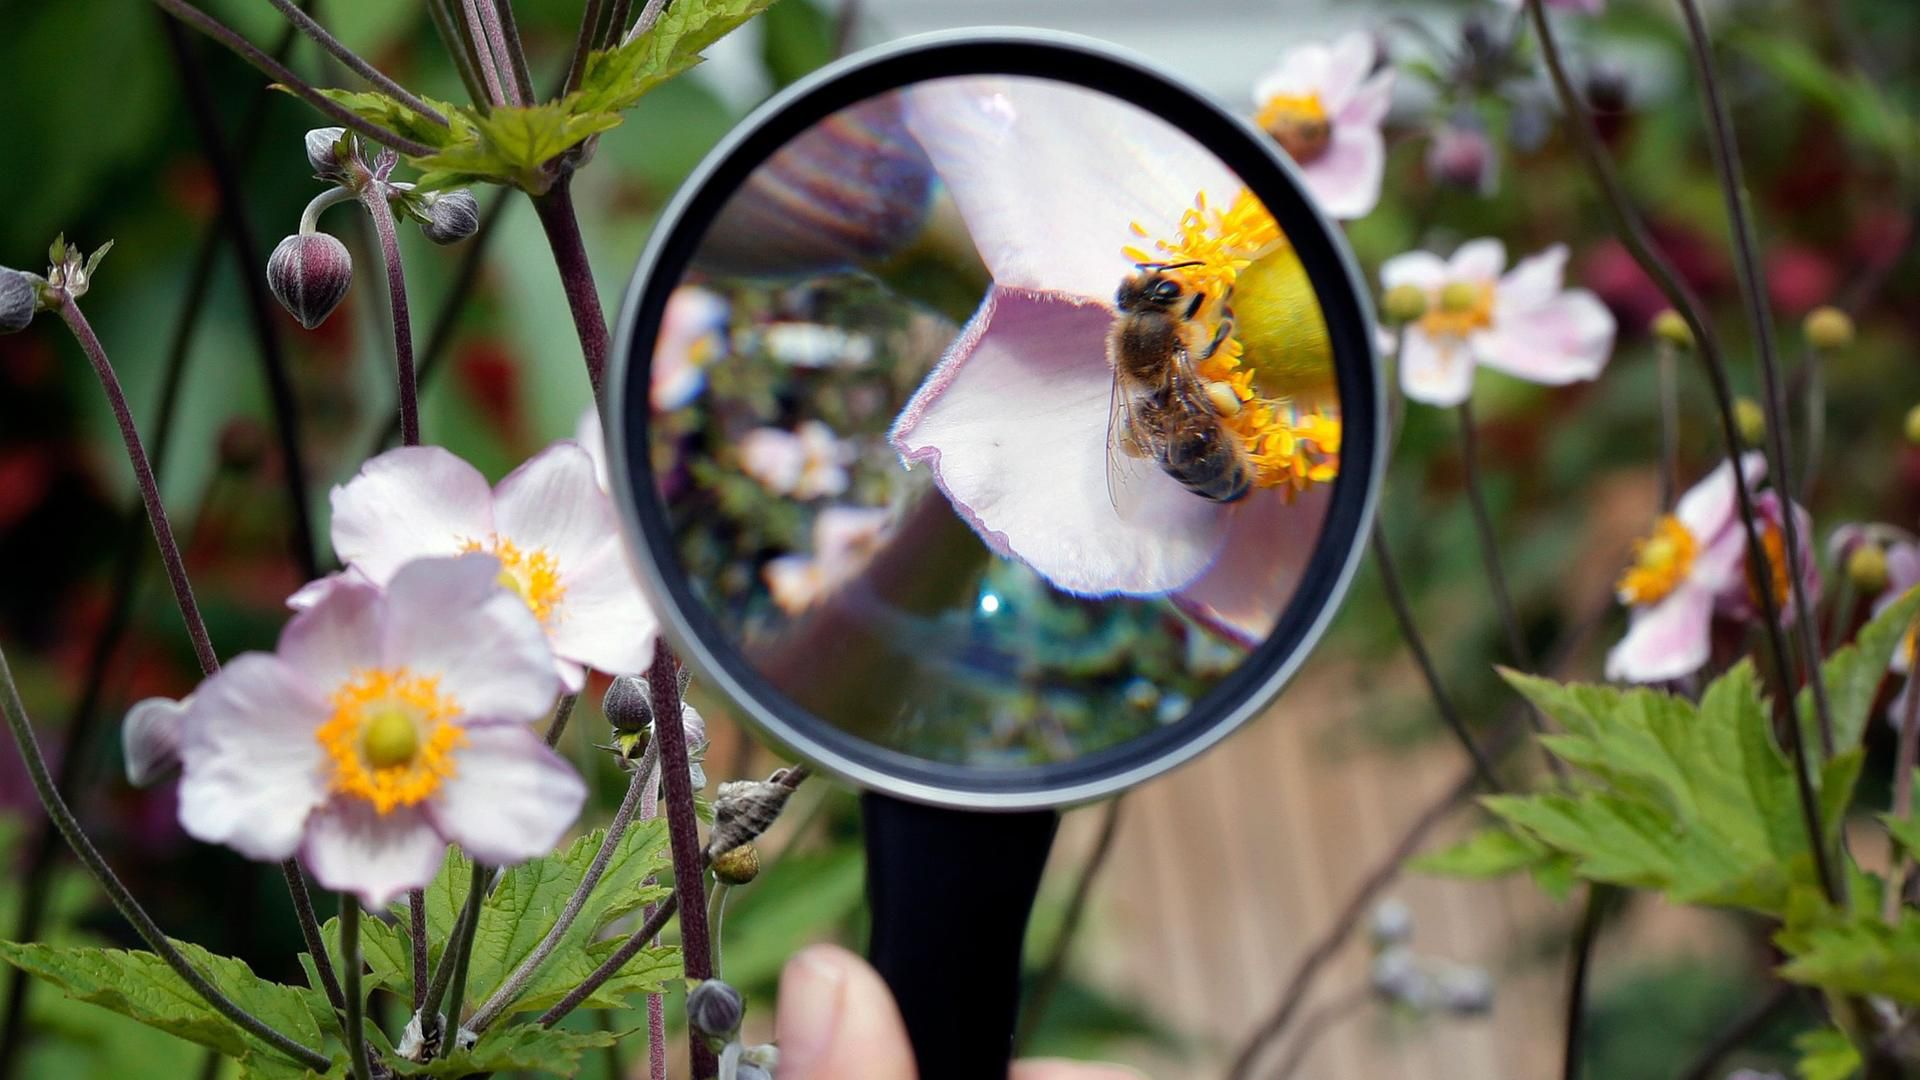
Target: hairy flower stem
(561, 713)
(453, 35)
(516, 983)
(1577, 969)
(683, 832)
(143, 476)
(483, 27)
(284, 76)
(374, 198)
(310, 933)
(656, 1003)
(516, 52)
(123, 901)
(417, 939)
(355, 1034)
(649, 929)
(1753, 288)
(1634, 236)
(582, 45)
(1054, 969)
(562, 226)
(463, 954)
(355, 62)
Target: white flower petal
(1345, 181)
(450, 618)
(553, 503)
(1435, 371)
(592, 438)
(316, 590)
(1371, 102)
(1302, 70)
(335, 637)
(150, 739)
(510, 798)
(1268, 544)
(352, 848)
(251, 770)
(1014, 425)
(1567, 339)
(1533, 282)
(1050, 177)
(406, 504)
(1667, 640)
(1709, 506)
(1421, 269)
(603, 619)
(1478, 261)
(1349, 60)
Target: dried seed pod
(715, 1009)
(309, 274)
(743, 809)
(452, 216)
(737, 865)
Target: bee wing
(1129, 449)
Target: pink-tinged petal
(773, 457)
(1302, 70)
(572, 676)
(335, 637)
(1478, 261)
(1349, 60)
(150, 739)
(847, 533)
(1709, 506)
(1268, 544)
(592, 438)
(553, 503)
(1345, 181)
(451, 618)
(1567, 339)
(1050, 177)
(251, 771)
(407, 504)
(1013, 424)
(1421, 269)
(1668, 640)
(353, 848)
(603, 620)
(1903, 573)
(510, 798)
(316, 590)
(1371, 102)
(1533, 282)
(1435, 370)
(1722, 563)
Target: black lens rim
(1242, 694)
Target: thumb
(837, 1021)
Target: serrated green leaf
(506, 1049)
(378, 108)
(511, 143)
(1853, 674)
(617, 78)
(1489, 853)
(141, 986)
(1856, 954)
(1826, 1054)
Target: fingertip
(1061, 1069)
(836, 1020)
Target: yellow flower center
(1298, 122)
(1464, 307)
(1292, 445)
(390, 738)
(532, 575)
(1660, 563)
(1773, 548)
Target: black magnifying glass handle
(950, 892)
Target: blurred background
(1218, 881)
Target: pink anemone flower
(1324, 105)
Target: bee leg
(1219, 335)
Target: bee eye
(1167, 290)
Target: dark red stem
(576, 277)
(683, 832)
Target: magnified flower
(693, 334)
(1063, 191)
(1521, 322)
(1324, 105)
(806, 463)
(844, 538)
(1680, 573)
(384, 726)
(150, 739)
(549, 522)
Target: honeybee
(1162, 410)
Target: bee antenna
(1168, 266)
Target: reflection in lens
(999, 421)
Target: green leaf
(141, 986)
(796, 37)
(1489, 853)
(510, 144)
(378, 108)
(1853, 674)
(1826, 1054)
(1856, 953)
(617, 78)
(506, 1049)
(1906, 830)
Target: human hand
(837, 1021)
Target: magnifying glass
(997, 425)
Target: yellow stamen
(390, 738)
(1292, 446)
(1464, 307)
(1661, 562)
(533, 575)
(1299, 123)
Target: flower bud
(309, 274)
(1396, 977)
(1404, 303)
(18, 300)
(1913, 425)
(1392, 923)
(1462, 156)
(1829, 328)
(1867, 568)
(327, 151)
(1670, 327)
(737, 865)
(452, 216)
(150, 739)
(628, 704)
(1462, 990)
(1751, 419)
(714, 1009)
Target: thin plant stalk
(615, 27)
(516, 983)
(462, 952)
(583, 45)
(310, 933)
(374, 198)
(1752, 280)
(355, 62)
(1581, 962)
(1322, 1020)
(1633, 235)
(716, 914)
(515, 50)
(649, 15)
(1489, 542)
(561, 712)
(683, 832)
(355, 1033)
(453, 35)
(285, 77)
(1054, 969)
(122, 900)
(656, 1003)
(1814, 372)
(417, 933)
(483, 23)
(1669, 427)
(1906, 758)
(562, 226)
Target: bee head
(1152, 288)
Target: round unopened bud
(627, 704)
(1829, 328)
(18, 300)
(1671, 327)
(452, 216)
(1404, 303)
(1392, 923)
(309, 274)
(327, 151)
(1867, 568)
(714, 1009)
(1462, 990)
(1751, 419)
(737, 865)
(1913, 425)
